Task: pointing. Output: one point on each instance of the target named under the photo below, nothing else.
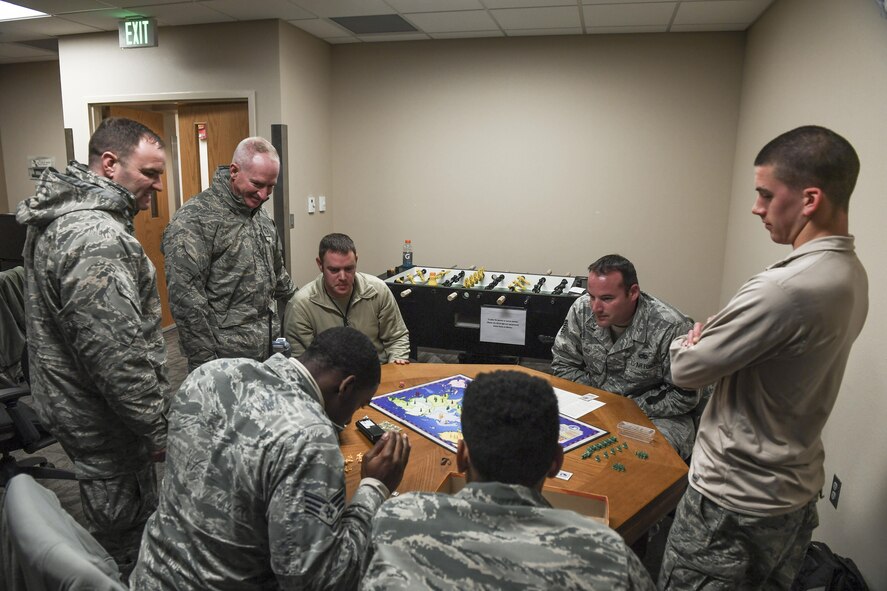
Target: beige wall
(305, 107)
(5, 206)
(30, 124)
(230, 60)
(529, 154)
(823, 62)
(282, 70)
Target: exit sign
(137, 32)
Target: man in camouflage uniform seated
(254, 491)
(224, 262)
(616, 338)
(97, 356)
(499, 532)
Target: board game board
(435, 410)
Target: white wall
(528, 154)
(823, 62)
(30, 124)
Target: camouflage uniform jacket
(495, 536)
(636, 365)
(225, 273)
(372, 310)
(254, 491)
(96, 353)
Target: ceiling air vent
(377, 23)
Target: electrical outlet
(835, 493)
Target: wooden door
(224, 124)
(149, 224)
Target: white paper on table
(575, 406)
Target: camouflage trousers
(712, 548)
(116, 510)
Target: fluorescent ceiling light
(9, 12)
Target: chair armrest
(23, 418)
(13, 394)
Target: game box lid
(589, 504)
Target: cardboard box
(591, 505)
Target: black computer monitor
(12, 243)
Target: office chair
(21, 430)
(45, 549)
(19, 427)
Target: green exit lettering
(136, 32)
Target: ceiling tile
(102, 19)
(52, 26)
(527, 3)
(720, 11)
(131, 3)
(61, 6)
(191, 13)
(631, 1)
(258, 9)
(404, 6)
(320, 27)
(558, 17)
(628, 15)
(449, 22)
(344, 7)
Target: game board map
(434, 409)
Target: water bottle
(407, 254)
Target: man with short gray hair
(224, 262)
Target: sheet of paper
(575, 406)
(503, 325)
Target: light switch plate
(311, 205)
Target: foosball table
(483, 313)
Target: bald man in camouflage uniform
(499, 532)
(224, 262)
(254, 492)
(97, 356)
(616, 338)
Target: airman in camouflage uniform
(254, 491)
(97, 355)
(224, 262)
(499, 532)
(778, 351)
(616, 338)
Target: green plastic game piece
(597, 458)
